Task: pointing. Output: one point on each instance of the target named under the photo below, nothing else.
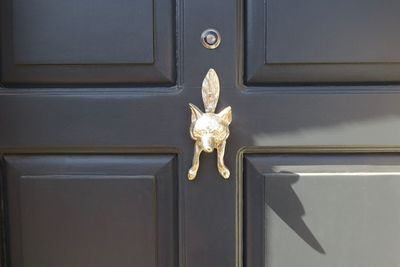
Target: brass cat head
(209, 129)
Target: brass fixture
(209, 129)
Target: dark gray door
(95, 145)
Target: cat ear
(196, 112)
(226, 115)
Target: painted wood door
(95, 143)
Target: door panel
(84, 210)
(325, 41)
(321, 209)
(92, 41)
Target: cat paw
(192, 174)
(225, 172)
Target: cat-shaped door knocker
(209, 129)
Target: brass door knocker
(208, 129)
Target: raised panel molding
(79, 210)
(318, 42)
(310, 208)
(57, 43)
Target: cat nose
(208, 149)
(208, 143)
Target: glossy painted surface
(142, 109)
(321, 209)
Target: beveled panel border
(240, 246)
(175, 160)
(162, 72)
(258, 72)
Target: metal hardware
(208, 129)
(210, 38)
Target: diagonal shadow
(282, 199)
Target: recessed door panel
(322, 41)
(322, 210)
(91, 210)
(44, 36)
(92, 41)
